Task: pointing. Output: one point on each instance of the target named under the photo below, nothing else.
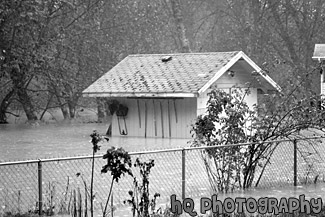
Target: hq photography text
(262, 205)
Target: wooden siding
(186, 114)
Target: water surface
(21, 142)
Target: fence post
(295, 162)
(40, 202)
(183, 174)
(112, 203)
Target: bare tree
(180, 27)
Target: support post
(183, 174)
(40, 193)
(112, 205)
(295, 162)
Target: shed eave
(319, 58)
(140, 95)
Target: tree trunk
(100, 109)
(4, 106)
(63, 107)
(177, 13)
(72, 108)
(3, 117)
(19, 84)
(65, 112)
(27, 104)
(46, 107)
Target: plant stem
(91, 185)
(109, 195)
(264, 166)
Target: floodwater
(310, 191)
(25, 142)
(22, 142)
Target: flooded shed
(319, 55)
(161, 95)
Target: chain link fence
(182, 171)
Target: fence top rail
(154, 151)
(222, 146)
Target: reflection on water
(21, 142)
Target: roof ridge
(177, 54)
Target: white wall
(202, 101)
(227, 83)
(241, 78)
(322, 84)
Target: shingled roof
(154, 75)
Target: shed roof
(167, 75)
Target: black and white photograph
(162, 108)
